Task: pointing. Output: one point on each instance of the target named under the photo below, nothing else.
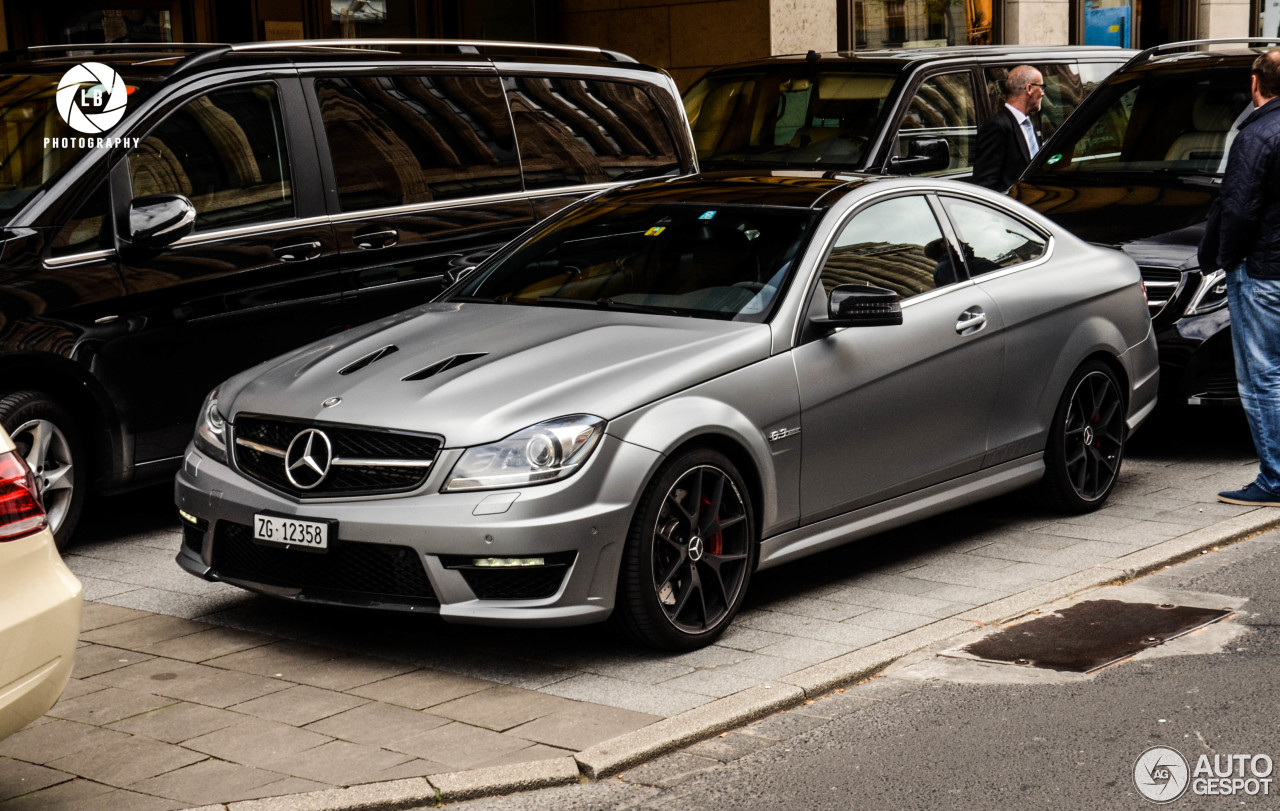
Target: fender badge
(782, 433)
(331, 402)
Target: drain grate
(1092, 634)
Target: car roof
(774, 188)
(916, 56)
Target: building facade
(684, 36)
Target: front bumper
(580, 523)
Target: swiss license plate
(282, 531)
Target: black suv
(914, 111)
(242, 200)
(1137, 168)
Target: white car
(40, 600)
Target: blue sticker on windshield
(707, 215)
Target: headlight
(542, 453)
(211, 429)
(1211, 295)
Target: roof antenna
(812, 56)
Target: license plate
(281, 531)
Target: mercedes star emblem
(307, 459)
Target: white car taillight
(21, 512)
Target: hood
(480, 372)
(1158, 221)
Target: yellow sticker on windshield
(655, 230)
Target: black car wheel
(1086, 441)
(48, 438)
(689, 554)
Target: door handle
(298, 251)
(381, 238)
(970, 321)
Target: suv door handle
(970, 321)
(368, 239)
(298, 251)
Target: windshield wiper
(608, 304)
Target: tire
(678, 589)
(1086, 441)
(49, 439)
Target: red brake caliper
(715, 544)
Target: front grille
(1162, 286)
(517, 583)
(347, 570)
(396, 462)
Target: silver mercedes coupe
(631, 409)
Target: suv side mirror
(923, 155)
(861, 305)
(158, 220)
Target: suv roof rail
(35, 52)
(1195, 43)
(463, 46)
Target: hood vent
(376, 355)
(445, 365)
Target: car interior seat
(1211, 119)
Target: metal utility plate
(1091, 634)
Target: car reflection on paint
(630, 410)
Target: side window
(991, 239)
(401, 140)
(1064, 89)
(86, 230)
(896, 245)
(943, 107)
(574, 131)
(226, 152)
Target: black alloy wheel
(689, 555)
(1086, 441)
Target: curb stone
(735, 710)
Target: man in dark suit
(1007, 142)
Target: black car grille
(260, 444)
(516, 583)
(347, 571)
(1162, 286)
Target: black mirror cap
(923, 155)
(861, 305)
(158, 220)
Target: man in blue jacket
(1246, 229)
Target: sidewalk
(187, 693)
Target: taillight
(21, 512)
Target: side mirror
(861, 305)
(923, 155)
(159, 220)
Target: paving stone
(729, 746)
(911, 603)
(308, 664)
(582, 726)
(94, 659)
(299, 706)
(895, 621)
(376, 723)
(205, 645)
(714, 683)
(670, 770)
(783, 725)
(76, 688)
(710, 656)
(966, 595)
(654, 700)
(147, 630)
(98, 589)
(749, 639)
(191, 682)
(1036, 573)
(105, 706)
(460, 746)
(894, 583)
(513, 672)
(18, 778)
(338, 763)
(86, 794)
(640, 669)
(178, 722)
(501, 708)
(121, 763)
(992, 581)
(209, 782)
(180, 603)
(422, 688)
(817, 608)
(100, 615)
(254, 741)
(57, 739)
(839, 632)
(763, 668)
(529, 755)
(809, 651)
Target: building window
(865, 24)
(359, 19)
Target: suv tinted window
(574, 131)
(84, 231)
(400, 140)
(226, 152)
(943, 107)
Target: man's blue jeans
(1255, 334)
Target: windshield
(779, 118)
(708, 261)
(1175, 121)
